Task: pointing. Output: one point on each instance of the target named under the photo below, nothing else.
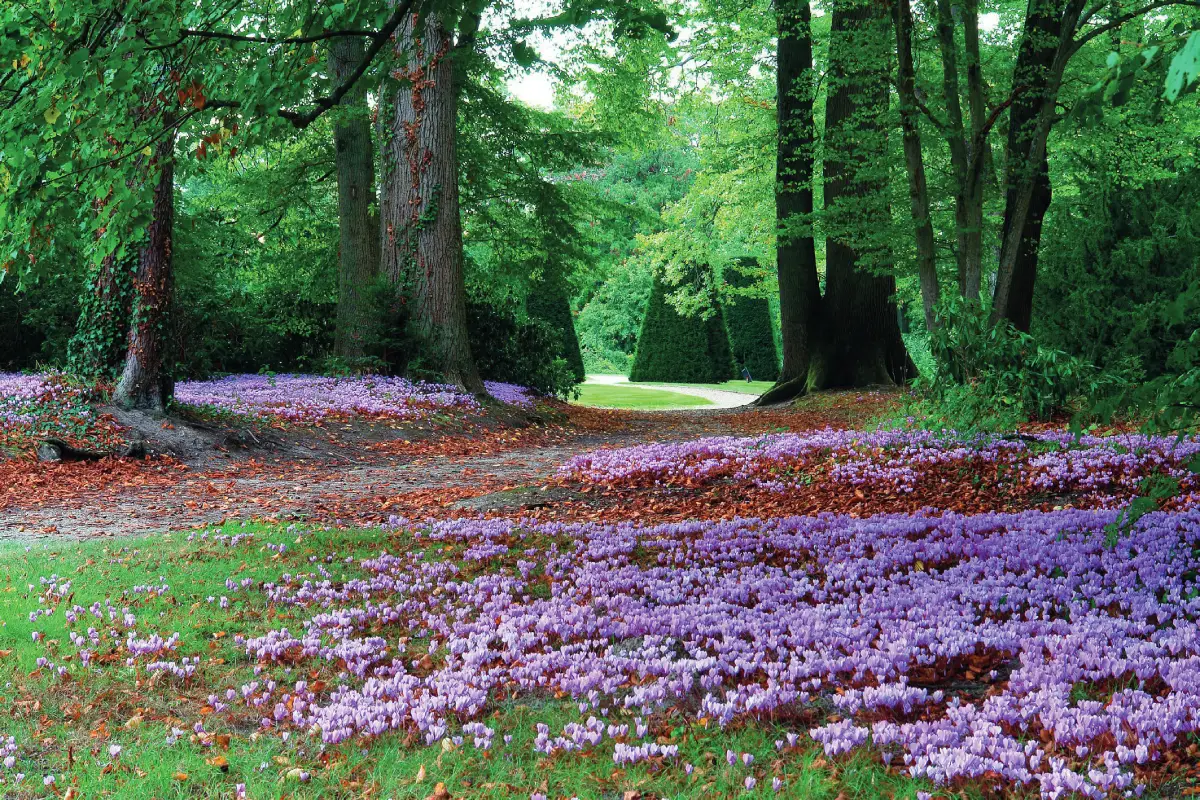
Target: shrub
(524, 352)
(548, 302)
(751, 332)
(682, 349)
(1122, 255)
(994, 376)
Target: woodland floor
(362, 473)
(369, 608)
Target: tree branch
(1121, 20)
(233, 37)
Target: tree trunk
(977, 99)
(145, 383)
(1037, 76)
(422, 235)
(918, 190)
(862, 343)
(967, 218)
(796, 259)
(358, 254)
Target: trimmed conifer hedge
(680, 349)
(751, 331)
(548, 301)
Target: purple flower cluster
(311, 398)
(1017, 648)
(27, 399)
(897, 458)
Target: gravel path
(718, 397)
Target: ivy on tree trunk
(145, 383)
(422, 229)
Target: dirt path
(361, 491)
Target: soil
(350, 472)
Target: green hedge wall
(681, 349)
(751, 331)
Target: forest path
(364, 490)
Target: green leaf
(1185, 68)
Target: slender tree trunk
(862, 341)
(145, 383)
(967, 219)
(918, 190)
(358, 254)
(977, 97)
(799, 288)
(1037, 76)
(423, 249)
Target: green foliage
(751, 332)
(994, 376)
(525, 352)
(682, 349)
(1122, 256)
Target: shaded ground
(345, 473)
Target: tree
(358, 254)
(914, 162)
(862, 338)
(422, 229)
(796, 257)
(144, 383)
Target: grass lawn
(635, 397)
(741, 387)
(111, 728)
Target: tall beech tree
(849, 336)
(421, 224)
(358, 225)
(796, 256)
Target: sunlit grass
(635, 397)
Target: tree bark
(422, 229)
(358, 255)
(1046, 45)
(796, 259)
(862, 342)
(968, 203)
(918, 190)
(145, 383)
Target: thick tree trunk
(145, 383)
(862, 343)
(799, 287)
(1041, 60)
(358, 255)
(918, 190)
(422, 230)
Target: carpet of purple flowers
(311, 398)
(1044, 653)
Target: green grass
(741, 387)
(633, 396)
(65, 726)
